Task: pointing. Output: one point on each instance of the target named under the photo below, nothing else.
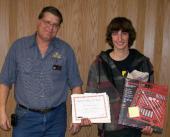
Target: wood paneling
(4, 35)
(150, 28)
(84, 28)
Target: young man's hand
(147, 130)
(85, 122)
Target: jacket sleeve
(148, 67)
(92, 82)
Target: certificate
(94, 106)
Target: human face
(48, 26)
(120, 40)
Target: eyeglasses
(49, 24)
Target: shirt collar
(33, 42)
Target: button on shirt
(40, 82)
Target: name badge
(57, 67)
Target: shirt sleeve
(74, 78)
(8, 72)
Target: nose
(51, 27)
(120, 37)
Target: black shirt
(124, 66)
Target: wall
(84, 28)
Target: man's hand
(74, 128)
(4, 121)
(147, 130)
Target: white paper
(94, 106)
(138, 75)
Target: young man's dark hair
(120, 23)
(52, 10)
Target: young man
(42, 68)
(108, 72)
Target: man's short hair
(52, 10)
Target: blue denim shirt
(40, 82)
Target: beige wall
(84, 28)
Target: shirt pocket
(58, 70)
(25, 66)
